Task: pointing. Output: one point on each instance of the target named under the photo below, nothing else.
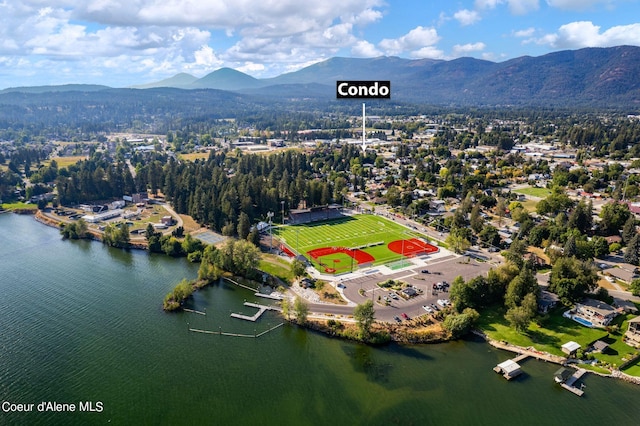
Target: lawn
(634, 369)
(277, 267)
(368, 234)
(534, 192)
(67, 161)
(558, 330)
(19, 206)
(193, 156)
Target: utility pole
(270, 217)
(364, 132)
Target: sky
(120, 43)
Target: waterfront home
(598, 313)
(632, 336)
(547, 301)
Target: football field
(341, 245)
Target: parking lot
(445, 270)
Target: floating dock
(253, 318)
(193, 311)
(570, 382)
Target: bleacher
(315, 214)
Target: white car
(428, 309)
(443, 302)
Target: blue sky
(126, 42)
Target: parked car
(425, 271)
(428, 309)
(397, 318)
(405, 316)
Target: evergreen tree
(632, 251)
(629, 230)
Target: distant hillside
(181, 80)
(226, 79)
(61, 88)
(585, 77)
(592, 78)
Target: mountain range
(600, 77)
(590, 76)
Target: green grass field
(534, 192)
(357, 231)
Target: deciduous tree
(364, 315)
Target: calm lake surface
(83, 322)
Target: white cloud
(516, 7)
(415, 40)
(467, 17)
(522, 7)
(161, 36)
(428, 52)
(465, 49)
(205, 56)
(487, 4)
(251, 67)
(581, 34)
(529, 32)
(577, 5)
(364, 49)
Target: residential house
(598, 313)
(547, 301)
(167, 220)
(437, 206)
(632, 336)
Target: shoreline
(547, 357)
(46, 220)
(397, 334)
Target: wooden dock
(569, 384)
(521, 357)
(222, 333)
(253, 318)
(193, 311)
(272, 296)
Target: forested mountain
(597, 77)
(583, 79)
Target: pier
(193, 311)
(570, 382)
(222, 333)
(261, 310)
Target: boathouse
(509, 369)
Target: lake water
(80, 322)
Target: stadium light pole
(282, 202)
(270, 216)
